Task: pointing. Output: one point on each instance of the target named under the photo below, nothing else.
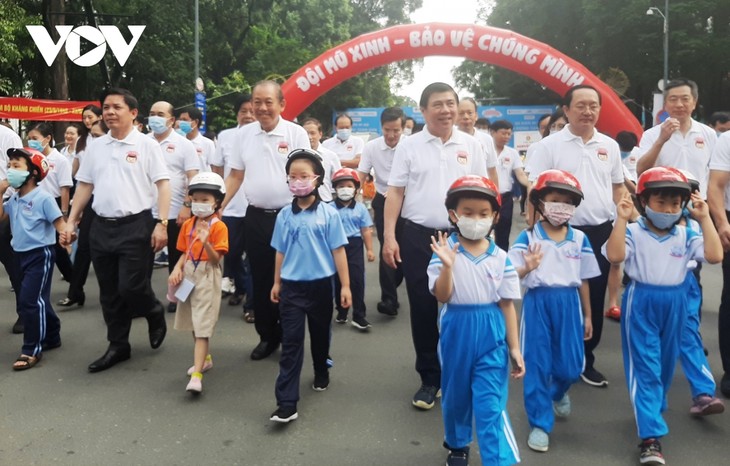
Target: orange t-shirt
(218, 238)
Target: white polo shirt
(331, 164)
(58, 176)
(660, 260)
(426, 168)
(345, 150)
(691, 152)
(180, 157)
(508, 161)
(378, 156)
(564, 264)
(263, 156)
(487, 143)
(123, 172)
(720, 161)
(205, 148)
(596, 164)
(8, 140)
(478, 280)
(221, 158)
(630, 163)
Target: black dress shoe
(157, 326)
(50, 346)
(172, 307)
(263, 350)
(68, 302)
(110, 358)
(18, 326)
(389, 308)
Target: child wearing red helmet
(478, 325)
(656, 251)
(358, 228)
(34, 220)
(554, 261)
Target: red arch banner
(496, 46)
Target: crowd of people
(272, 213)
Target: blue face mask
(37, 145)
(624, 154)
(157, 124)
(180, 132)
(16, 177)
(185, 127)
(344, 134)
(662, 221)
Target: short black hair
(568, 98)
(392, 114)
(626, 140)
(240, 100)
(314, 121)
(484, 122)
(719, 117)
(679, 82)
(128, 97)
(500, 124)
(434, 88)
(194, 113)
(341, 116)
(42, 127)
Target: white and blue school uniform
(695, 366)
(31, 222)
(653, 313)
(551, 328)
(354, 217)
(306, 238)
(474, 354)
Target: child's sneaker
(562, 408)
(538, 440)
(321, 381)
(284, 414)
(651, 452)
(360, 323)
(196, 383)
(458, 458)
(704, 405)
(341, 316)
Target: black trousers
(121, 254)
(389, 278)
(173, 255)
(597, 236)
(63, 260)
(259, 230)
(82, 260)
(310, 300)
(723, 321)
(415, 250)
(7, 255)
(233, 263)
(503, 227)
(356, 268)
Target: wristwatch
(164, 222)
(187, 204)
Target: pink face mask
(302, 188)
(558, 213)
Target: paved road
(139, 413)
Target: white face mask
(345, 194)
(558, 213)
(471, 228)
(202, 209)
(407, 131)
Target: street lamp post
(665, 16)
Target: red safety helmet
(559, 180)
(662, 177)
(344, 174)
(34, 158)
(473, 184)
(694, 183)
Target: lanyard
(191, 241)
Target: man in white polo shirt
(424, 166)
(680, 141)
(718, 198)
(594, 159)
(466, 123)
(182, 165)
(377, 156)
(347, 147)
(261, 153)
(190, 120)
(330, 160)
(126, 166)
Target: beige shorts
(200, 311)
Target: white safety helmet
(208, 181)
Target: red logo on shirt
(199, 150)
(602, 154)
(462, 157)
(283, 147)
(132, 157)
(700, 143)
(350, 147)
(170, 148)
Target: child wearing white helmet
(196, 279)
